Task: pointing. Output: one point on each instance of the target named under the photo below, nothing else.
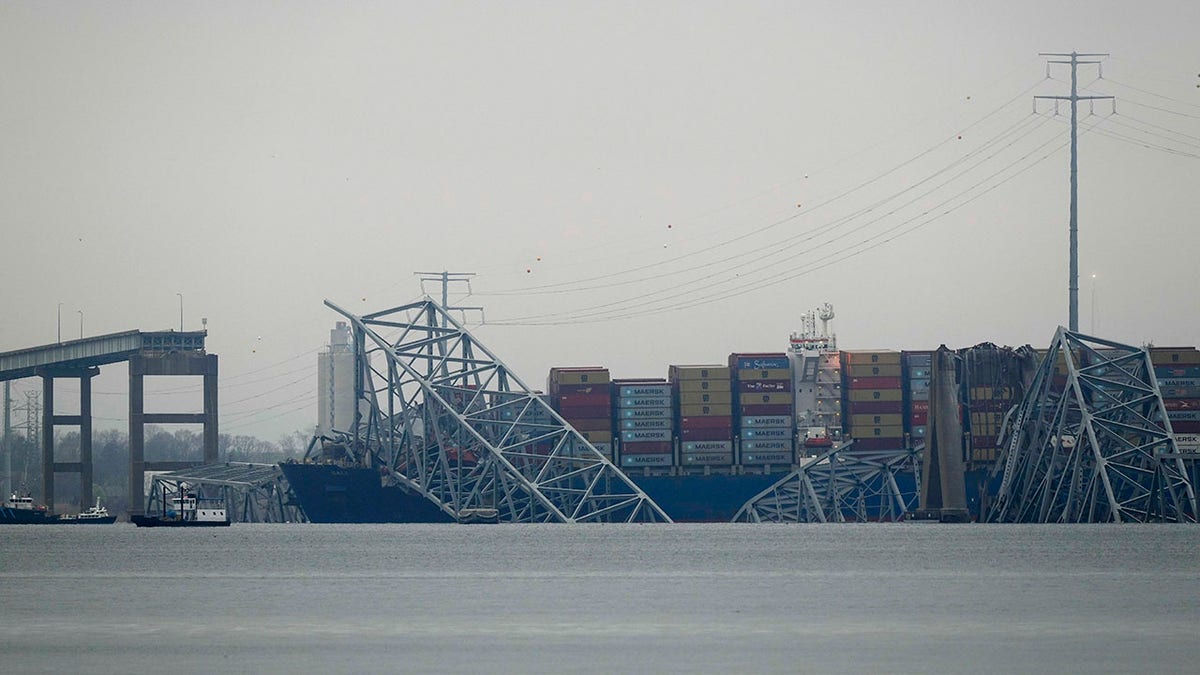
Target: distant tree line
(110, 459)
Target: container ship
(708, 438)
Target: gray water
(600, 598)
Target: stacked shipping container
(764, 421)
(918, 373)
(704, 408)
(644, 421)
(583, 396)
(874, 399)
(1178, 373)
(992, 384)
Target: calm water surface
(600, 598)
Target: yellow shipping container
(597, 376)
(597, 436)
(877, 420)
(1183, 356)
(705, 397)
(746, 374)
(858, 357)
(876, 394)
(718, 410)
(703, 385)
(682, 373)
(895, 431)
(868, 370)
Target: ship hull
(153, 521)
(704, 499)
(328, 493)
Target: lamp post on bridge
(180, 311)
(80, 313)
(60, 322)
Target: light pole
(60, 322)
(1093, 304)
(180, 311)
(80, 313)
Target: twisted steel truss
(842, 485)
(253, 493)
(1092, 442)
(441, 415)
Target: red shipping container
(721, 422)
(920, 407)
(565, 401)
(585, 412)
(706, 434)
(919, 418)
(766, 409)
(874, 383)
(572, 389)
(646, 448)
(877, 444)
(1181, 403)
(879, 407)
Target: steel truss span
(253, 493)
(1091, 442)
(842, 485)
(441, 415)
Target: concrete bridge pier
(83, 420)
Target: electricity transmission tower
(1074, 98)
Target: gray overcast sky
(697, 174)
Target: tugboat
(187, 510)
(22, 511)
(95, 515)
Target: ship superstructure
(816, 381)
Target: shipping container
(1169, 356)
(869, 370)
(683, 373)
(874, 382)
(764, 386)
(632, 461)
(603, 448)
(1182, 403)
(566, 401)
(691, 386)
(643, 413)
(1180, 392)
(641, 424)
(765, 409)
(711, 422)
(877, 420)
(759, 361)
(919, 407)
(760, 457)
(640, 390)
(706, 458)
(1187, 382)
(918, 431)
(707, 446)
(918, 359)
(877, 443)
(1185, 427)
(767, 433)
(592, 424)
(922, 373)
(1177, 371)
(874, 407)
(767, 421)
(717, 410)
(781, 374)
(584, 412)
(891, 431)
(765, 399)
(605, 389)
(856, 395)
(919, 418)
(860, 357)
(646, 448)
(585, 375)
(705, 434)
(705, 398)
(1183, 415)
(642, 436)
(644, 402)
(595, 437)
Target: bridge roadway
(148, 353)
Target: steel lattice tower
(441, 415)
(1091, 442)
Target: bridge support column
(172, 363)
(83, 420)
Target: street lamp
(60, 322)
(1093, 304)
(180, 311)
(80, 313)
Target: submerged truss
(441, 415)
(1091, 442)
(253, 493)
(842, 485)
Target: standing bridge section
(148, 354)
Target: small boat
(20, 510)
(187, 510)
(95, 515)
